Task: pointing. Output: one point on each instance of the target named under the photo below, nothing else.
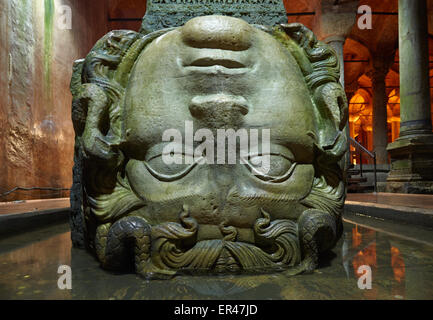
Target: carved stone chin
(154, 115)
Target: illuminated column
(380, 100)
(412, 153)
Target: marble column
(414, 94)
(412, 153)
(337, 43)
(380, 100)
(333, 22)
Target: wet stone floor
(400, 258)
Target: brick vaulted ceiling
(358, 49)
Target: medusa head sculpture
(161, 219)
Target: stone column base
(411, 165)
(420, 187)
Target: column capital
(380, 65)
(335, 20)
(335, 38)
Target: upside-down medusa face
(217, 73)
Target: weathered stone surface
(198, 216)
(166, 13)
(36, 133)
(411, 165)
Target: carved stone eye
(160, 164)
(273, 167)
(167, 171)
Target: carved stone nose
(217, 32)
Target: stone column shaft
(414, 68)
(412, 152)
(380, 126)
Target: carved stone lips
(208, 62)
(213, 62)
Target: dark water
(400, 258)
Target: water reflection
(31, 272)
(401, 269)
(387, 265)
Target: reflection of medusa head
(217, 72)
